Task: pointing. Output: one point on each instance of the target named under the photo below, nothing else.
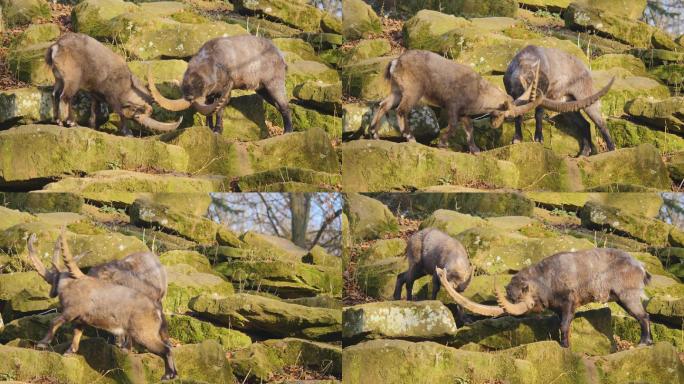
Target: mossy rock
(145, 212)
(383, 249)
(651, 231)
(366, 49)
(377, 279)
(310, 149)
(452, 222)
(427, 30)
(667, 114)
(11, 217)
(268, 247)
(365, 79)
(274, 317)
(24, 292)
(68, 151)
(91, 17)
(411, 165)
(675, 165)
(473, 203)
(359, 20)
(21, 12)
(607, 24)
(320, 301)
(192, 258)
(27, 63)
(295, 14)
(623, 60)
(641, 166)
(424, 320)
(626, 134)
(369, 218)
(210, 154)
(465, 8)
(189, 330)
(657, 363)
(626, 89)
(300, 48)
(287, 179)
(38, 33)
(124, 187)
(185, 283)
(284, 279)
(671, 74)
(423, 121)
(263, 360)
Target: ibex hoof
(538, 139)
(474, 150)
(41, 345)
(69, 352)
(516, 141)
(69, 123)
(169, 376)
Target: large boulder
(651, 231)
(59, 151)
(424, 320)
(33, 105)
(365, 79)
(91, 17)
(144, 212)
(631, 9)
(625, 89)
(27, 63)
(310, 149)
(466, 8)
(11, 217)
(622, 60)
(359, 20)
(422, 120)
(452, 222)
(263, 360)
(369, 218)
(606, 23)
(297, 14)
(24, 292)
(662, 114)
(283, 278)
(189, 330)
(185, 283)
(379, 165)
(261, 314)
(21, 12)
(670, 74)
(626, 134)
(641, 166)
(382, 249)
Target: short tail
(48, 55)
(647, 278)
(389, 69)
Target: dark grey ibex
(427, 250)
(80, 62)
(567, 280)
(226, 63)
(562, 77)
(455, 87)
(88, 300)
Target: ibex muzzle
(227, 63)
(567, 280)
(88, 300)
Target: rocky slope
(241, 307)
(162, 36)
(421, 341)
(643, 108)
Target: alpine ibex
(88, 300)
(455, 87)
(562, 77)
(427, 250)
(226, 63)
(80, 62)
(567, 280)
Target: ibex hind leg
(408, 101)
(594, 113)
(153, 342)
(584, 129)
(56, 93)
(68, 92)
(389, 103)
(631, 302)
(54, 326)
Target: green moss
(359, 20)
(189, 330)
(144, 212)
(296, 14)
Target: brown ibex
(427, 250)
(88, 300)
(455, 87)
(562, 77)
(80, 62)
(567, 280)
(226, 63)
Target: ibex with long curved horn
(88, 300)
(568, 88)
(80, 62)
(427, 250)
(567, 280)
(226, 63)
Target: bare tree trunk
(299, 206)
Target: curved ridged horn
(33, 257)
(485, 310)
(513, 309)
(518, 110)
(530, 93)
(573, 106)
(153, 124)
(75, 271)
(168, 104)
(208, 109)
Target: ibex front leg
(54, 326)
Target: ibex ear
(525, 288)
